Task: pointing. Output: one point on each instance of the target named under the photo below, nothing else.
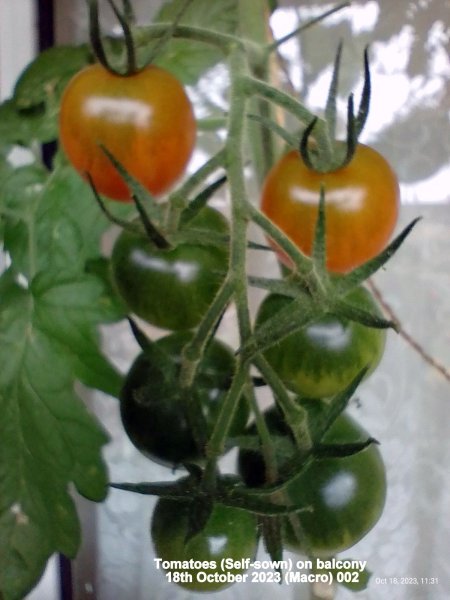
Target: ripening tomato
(343, 496)
(361, 198)
(145, 120)
(323, 358)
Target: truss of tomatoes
(147, 123)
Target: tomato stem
(303, 264)
(193, 352)
(295, 415)
(298, 30)
(164, 39)
(128, 38)
(238, 241)
(222, 41)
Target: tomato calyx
(330, 154)
(124, 19)
(228, 491)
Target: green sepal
(284, 287)
(136, 188)
(296, 315)
(347, 310)
(322, 451)
(356, 277)
(319, 253)
(200, 201)
(271, 529)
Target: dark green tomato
(323, 358)
(153, 411)
(230, 533)
(346, 494)
(171, 288)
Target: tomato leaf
(48, 441)
(68, 309)
(188, 59)
(48, 74)
(26, 126)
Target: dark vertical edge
(46, 39)
(65, 578)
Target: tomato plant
(153, 409)
(144, 119)
(230, 533)
(183, 267)
(322, 359)
(361, 205)
(171, 288)
(346, 495)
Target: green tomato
(230, 533)
(172, 288)
(323, 358)
(346, 495)
(153, 412)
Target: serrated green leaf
(48, 74)
(188, 59)
(48, 440)
(68, 309)
(61, 224)
(26, 126)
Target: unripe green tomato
(230, 533)
(153, 410)
(323, 358)
(171, 288)
(344, 497)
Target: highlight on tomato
(171, 288)
(361, 206)
(145, 119)
(344, 497)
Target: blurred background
(406, 402)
